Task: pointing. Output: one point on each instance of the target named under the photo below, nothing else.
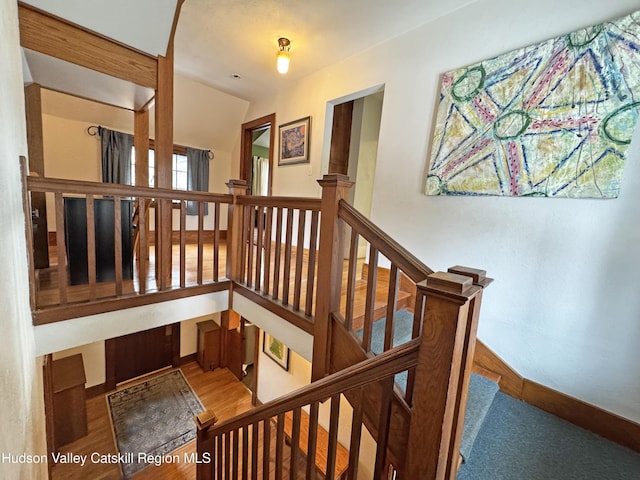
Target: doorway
(140, 353)
(256, 154)
(354, 145)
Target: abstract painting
(554, 119)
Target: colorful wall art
(554, 119)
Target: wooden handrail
(58, 185)
(302, 203)
(381, 366)
(383, 243)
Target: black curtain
(197, 176)
(116, 156)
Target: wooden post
(334, 189)
(204, 445)
(234, 228)
(479, 278)
(451, 302)
(163, 164)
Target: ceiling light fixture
(283, 56)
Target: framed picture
(274, 348)
(294, 142)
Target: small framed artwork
(278, 351)
(294, 142)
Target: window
(178, 170)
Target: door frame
(246, 141)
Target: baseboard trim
(188, 359)
(620, 430)
(96, 390)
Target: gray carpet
(482, 391)
(402, 327)
(153, 418)
(520, 442)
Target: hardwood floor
(218, 390)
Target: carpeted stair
(507, 439)
(519, 442)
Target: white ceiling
(218, 38)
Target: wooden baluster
(295, 444)
(266, 448)
(117, 242)
(234, 229)
(200, 241)
(383, 427)
(297, 286)
(312, 441)
(356, 434)
(255, 436)
(392, 299)
(250, 213)
(220, 456)
(183, 243)
(143, 246)
(334, 189)
(216, 241)
(286, 277)
(236, 454)
(259, 247)
(418, 315)
(311, 266)
(276, 262)
(279, 446)
(63, 276)
(351, 279)
(91, 245)
(333, 437)
(227, 455)
(245, 452)
(448, 301)
(267, 249)
(370, 303)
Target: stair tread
(482, 391)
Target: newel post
(205, 445)
(330, 254)
(234, 228)
(451, 308)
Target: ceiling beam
(61, 39)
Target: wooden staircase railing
(256, 445)
(56, 299)
(277, 251)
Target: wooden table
(322, 445)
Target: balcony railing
(112, 249)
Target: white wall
(564, 308)
(21, 394)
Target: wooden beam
(56, 37)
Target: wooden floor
(219, 391)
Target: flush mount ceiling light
(282, 57)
